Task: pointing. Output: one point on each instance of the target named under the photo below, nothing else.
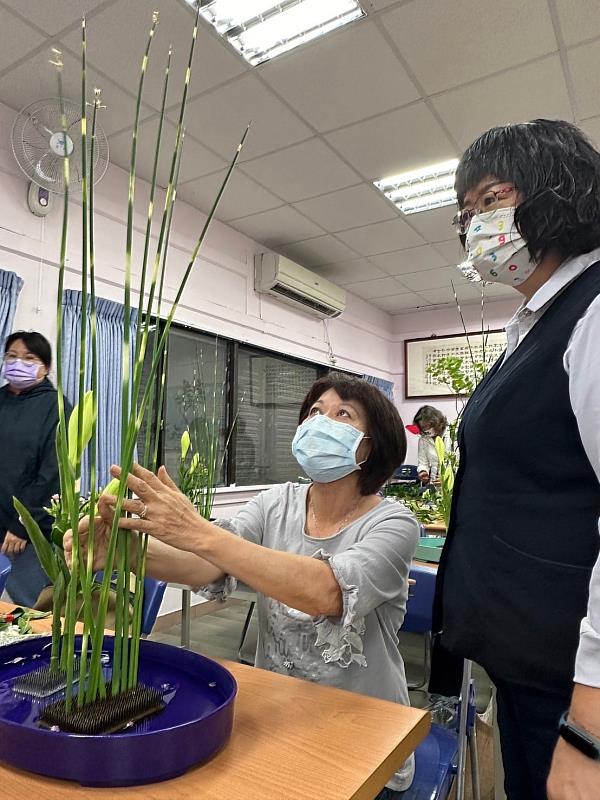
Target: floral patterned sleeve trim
(223, 588)
(341, 638)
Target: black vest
(523, 535)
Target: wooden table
(292, 740)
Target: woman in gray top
(329, 561)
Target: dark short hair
(384, 426)
(556, 169)
(34, 342)
(428, 416)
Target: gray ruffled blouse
(370, 559)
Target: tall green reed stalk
(79, 434)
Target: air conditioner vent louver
(279, 288)
(292, 284)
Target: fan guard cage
(37, 140)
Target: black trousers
(528, 722)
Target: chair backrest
(406, 472)
(5, 567)
(153, 595)
(419, 608)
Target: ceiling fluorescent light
(421, 189)
(262, 29)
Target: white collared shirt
(582, 364)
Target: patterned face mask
(496, 250)
(326, 449)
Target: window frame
(231, 390)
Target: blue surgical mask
(325, 449)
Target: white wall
(439, 322)
(219, 297)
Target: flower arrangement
(139, 405)
(201, 460)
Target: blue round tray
(195, 724)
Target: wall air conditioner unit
(297, 286)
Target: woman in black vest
(514, 581)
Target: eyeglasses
(487, 203)
(10, 358)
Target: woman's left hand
(12, 544)
(573, 776)
(162, 510)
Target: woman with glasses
(28, 465)
(519, 582)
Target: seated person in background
(329, 560)
(428, 423)
(28, 467)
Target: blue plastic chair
(440, 758)
(435, 765)
(5, 567)
(419, 612)
(153, 594)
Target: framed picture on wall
(419, 354)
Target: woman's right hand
(101, 539)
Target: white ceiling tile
(359, 269)
(579, 20)
(242, 195)
(521, 94)
(467, 293)
(319, 251)
(376, 5)
(219, 119)
(436, 225)
(17, 40)
(303, 170)
(351, 75)
(382, 237)
(52, 17)
(380, 287)
(117, 39)
(36, 79)
(584, 62)
(452, 251)
(398, 302)
(358, 205)
(196, 160)
(498, 291)
(277, 227)
(399, 140)
(447, 43)
(592, 128)
(431, 279)
(410, 260)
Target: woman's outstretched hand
(162, 510)
(101, 539)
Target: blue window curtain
(109, 338)
(387, 387)
(10, 286)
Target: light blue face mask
(325, 449)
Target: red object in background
(7, 618)
(413, 429)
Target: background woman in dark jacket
(28, 465)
